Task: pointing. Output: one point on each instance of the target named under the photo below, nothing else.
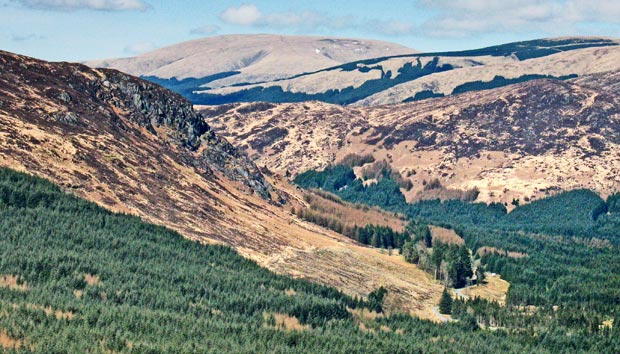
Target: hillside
(86, 280)
(522, 141)
(233, 59)
(410, 77)
(133, 147)
(77, 278)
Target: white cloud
(458, 18)
(100, 5)
(251, 15)
(206, 30)
(26, 37)
(245, 15)
(139, 48)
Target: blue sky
(92, 29)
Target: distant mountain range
(248, 68)
(230, 60)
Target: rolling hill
(235, 59)
(208, 77)
(522, 141)
(134, 147)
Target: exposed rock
(159, 111)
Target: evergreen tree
(445, 303)
(376, 297)
(480, 275)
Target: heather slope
(134, 147)
(522, 141)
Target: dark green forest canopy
(580, 213)
(158, 292)
(569, 242)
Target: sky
(75, 30)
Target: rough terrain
(522, 141)
(133, 147)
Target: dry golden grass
(284, 322)
(385, 328)
(9, 343)
(363, 328)
(49, 311)
(92, 279)
(12, 282)
(494, 289)
(349, 214)
(607, 324)
(445, 235)
(364, 315)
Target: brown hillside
(522, 141)
(133, 147)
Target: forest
(563, 282)
(449, 263)
(78, 278)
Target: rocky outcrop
(82, 98)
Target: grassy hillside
(76, 278)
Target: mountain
(134, 147)
(522, 141)
(77, 278)
(410, 77)
(228, 60)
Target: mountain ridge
(100, 147)
(520, 141)
(362, 81)
(239, 53)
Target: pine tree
(480, 275)
(445, 304)
(428, 238)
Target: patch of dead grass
(349, 214)
(284, 322)
(9, 343)
(364, 314)
(49, 311)
(92, 279)
(13, 282)
(494, 289)
(445, 235)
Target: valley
(294, 194)
(126, 161)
